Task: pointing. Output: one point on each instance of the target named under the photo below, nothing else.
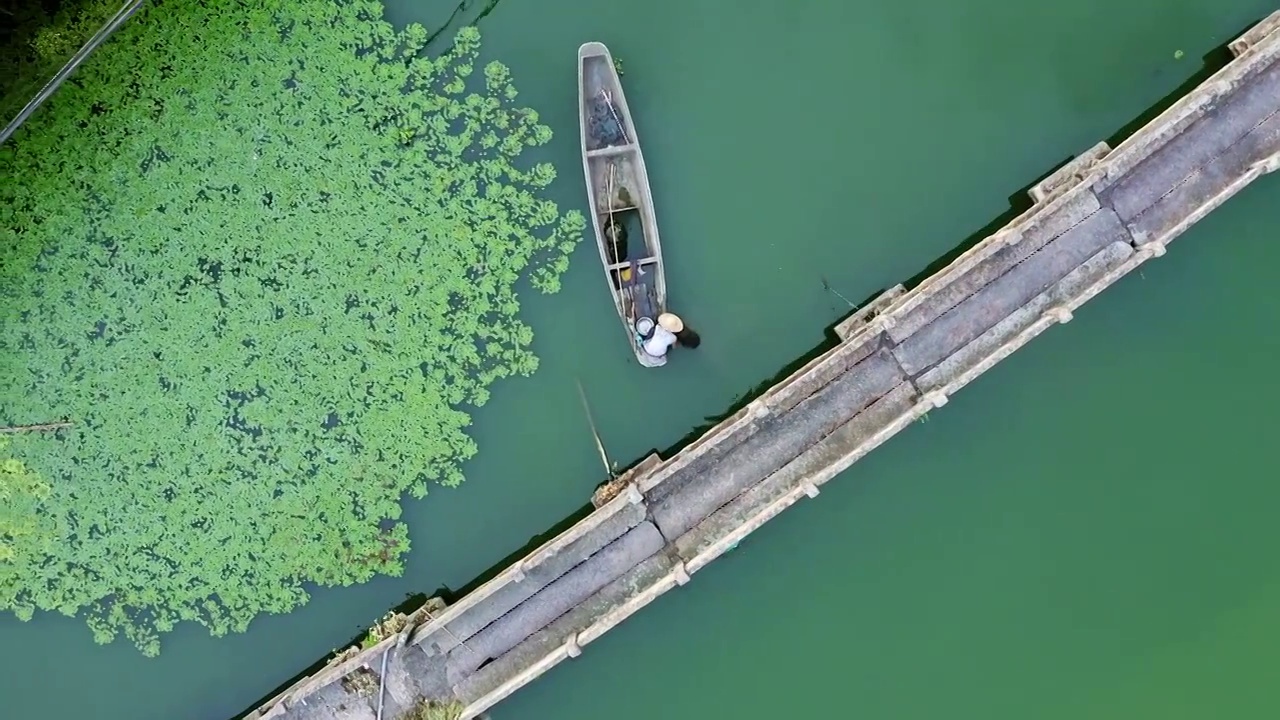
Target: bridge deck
(1093, 222)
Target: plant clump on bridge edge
(265, 255)
(428, 710)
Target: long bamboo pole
(42, 427)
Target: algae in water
(265, 255)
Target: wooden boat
(618, 193)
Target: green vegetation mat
(36, 43)
(263, 255)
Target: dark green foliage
(34, 43)
(264, 282)
(24, 529)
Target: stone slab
(556, 599)
(834, 453)
(1075, 172)
(981, 311)
(778, 442)
(1165, 218)
(539, 570)
(1220, 127)
(1037, 233)
(955, 371)
(548, 641)
(1171, 123)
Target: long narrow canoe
(623, 219)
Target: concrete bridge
(1094, 221)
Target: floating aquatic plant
(264, 255)
(24, 530)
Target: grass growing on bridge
(263, 254)
(427, 710)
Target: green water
(1086, 531)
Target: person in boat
(688, 338)
(657, 339)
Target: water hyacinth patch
(264, 255)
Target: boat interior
(607, 132)
(622, 230)
(617, 186)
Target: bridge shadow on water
(1019, 203)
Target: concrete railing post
(571, 646)
(1061, 314)
(681, 574)
(1269, 165)
(935, 398)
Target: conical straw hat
(670, 322)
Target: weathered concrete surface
(729, 524)
(1008, 292)
(524, 579)
(962, 280)
(564, 637)
(1214, 149)
(1095, 220)
(556, 599)
(539, 575)
(964, 359)
(711, 484)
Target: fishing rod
(382, 681)
(827, 285)
(608, 99)
(604, 458)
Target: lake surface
(1087, 531)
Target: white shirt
(659, 342)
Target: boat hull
(622, 215)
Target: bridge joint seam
(1200, 168)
